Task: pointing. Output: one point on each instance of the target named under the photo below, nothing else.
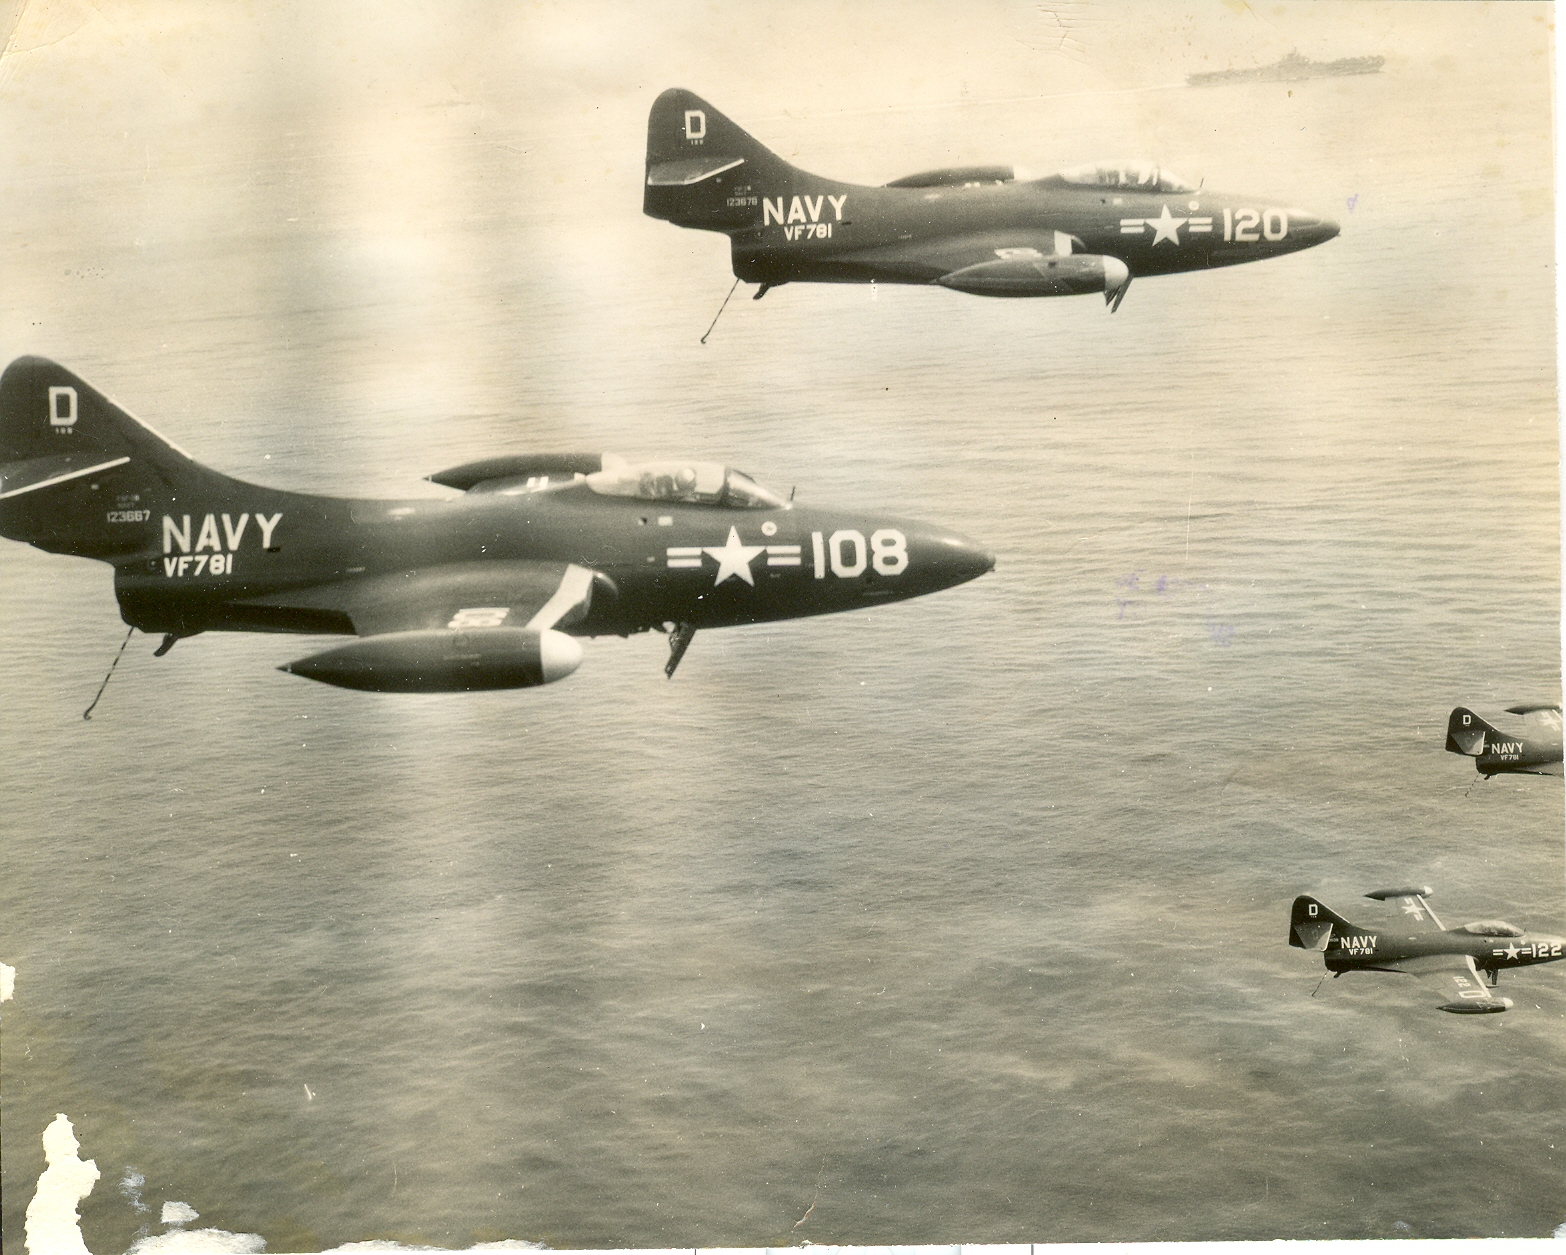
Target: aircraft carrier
(1291, 69)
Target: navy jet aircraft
(979, 229)
(486, 591)
(1450, 960)
(1533, 748)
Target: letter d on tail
(1465, 733)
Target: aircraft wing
(1546, 721)
(1413, 911)
(445, 629)
(945, 254)
(1455, 978)
(528, 594)
(1014, 261)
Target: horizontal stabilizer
(17, 478)
(1465, 733)
(1310, 936)
(693, 170)
(1311, 924)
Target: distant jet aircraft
(1448, 960)
(978, 229)
(1532, 748)
(486, 591)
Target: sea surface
(962, 919)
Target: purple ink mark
(1352, 201)
(1161, 586)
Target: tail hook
(87, 714)
(719, 314)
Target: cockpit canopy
(1492, 928)
(1136, 176)
(697, 483)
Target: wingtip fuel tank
(465, 660)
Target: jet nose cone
(955, 559)
(1308, 229)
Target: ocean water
(962, 919)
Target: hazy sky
(126, 127)
(126, 84)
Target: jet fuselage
(981, 230)
(483, 591)
(1374, 951)
(848, 234)
(657, 562)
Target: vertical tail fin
(1311, 924)
(702, 170)
(1465, 732)
(78, 474)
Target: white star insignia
(1512, 951)
(734, 559)
(1166, 227)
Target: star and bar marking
(733, 557)
(1166, 226)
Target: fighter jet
(1533, 748)
(1449, 960)
(986, 230)
(484, 591)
